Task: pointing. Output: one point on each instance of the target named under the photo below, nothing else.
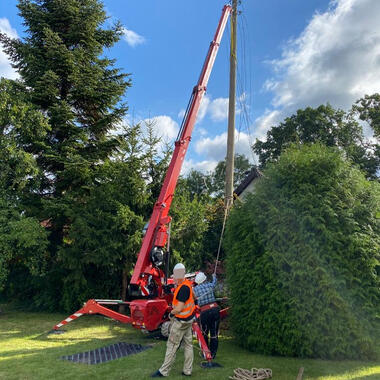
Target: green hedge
(303, 259)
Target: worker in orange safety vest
(182, 317)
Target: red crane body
(148, 279)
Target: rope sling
(253, 374)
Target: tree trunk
(124, 284)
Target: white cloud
(6, 28)
(218, 109)
(202, 131)
(202, 166)
(205, 102)
(6, 69)
(203, 108)
(132, 38)
(181, 113)
(164, 126)
(336, 59)
(266, 121)
(215, 148)
(212, 147)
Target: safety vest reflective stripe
(189, 306)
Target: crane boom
(154, 241)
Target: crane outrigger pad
(106, 354)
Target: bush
(23, 242)
(303, 261)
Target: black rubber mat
(105, 354)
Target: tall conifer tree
(62, 65)
(67, 77)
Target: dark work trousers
(210, 320)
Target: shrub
(303, 261)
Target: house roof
(251, 175)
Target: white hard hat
(200, 277)
(179, 271)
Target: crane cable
(226, 211)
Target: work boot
(157, 374)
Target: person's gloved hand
(171, 316)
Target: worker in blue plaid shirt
(210, 317)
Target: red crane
(149, 311)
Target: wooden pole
(231, 112)
(300, 373)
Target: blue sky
(291, 54)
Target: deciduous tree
(324, 124)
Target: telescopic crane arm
(151, 255)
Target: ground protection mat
(107, 353)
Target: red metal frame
(149, 313)
(202, 343)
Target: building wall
(249, 189)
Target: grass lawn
(28, 352)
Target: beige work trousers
(179, 330)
